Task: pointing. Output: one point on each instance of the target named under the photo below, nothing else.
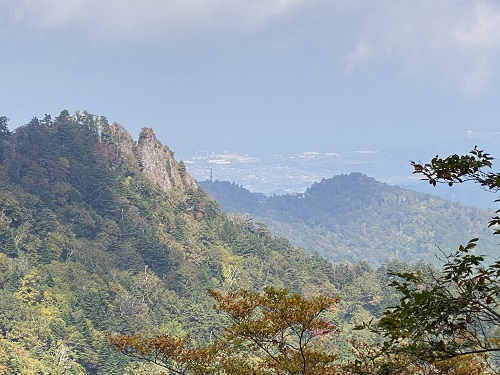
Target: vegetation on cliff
(445, 322)
(100, 233)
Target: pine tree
(7, 244)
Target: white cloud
(479, 29)
(148, 18)
(452, 42)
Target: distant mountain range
(354, 217)
(271, 173)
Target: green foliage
(354, 217)
(181, 168)
(90, 244)
(447, 315)
(4, 130)
(7, 244)
(5, 135)
(460, 168)
(456, 311)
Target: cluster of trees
(354, 217)
(91, 250)
(447, 321)
(269, 333)
(89, 245)
(453, 313)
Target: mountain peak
(155, 160)
(158, 164)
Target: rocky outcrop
(125, 144)
(153, 159)
(158, 164)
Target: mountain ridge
(100, 233)
(354, 217)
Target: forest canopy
(101, 234)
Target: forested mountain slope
(100, 233)
(353, 217)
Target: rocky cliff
(155, 160)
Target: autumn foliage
(274, 332)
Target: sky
(261, 76)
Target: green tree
(4, 130)
(5, 136)
(7, 244)
(455, 312)
(181, 167)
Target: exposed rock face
(151, 158)
(125, 144)
(158, 164)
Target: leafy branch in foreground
(172, 353)
(456, 312)
(461, 168)
(449, 315)
(271, 333)
(374, 360)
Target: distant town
(293, 173)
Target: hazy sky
(262, 75)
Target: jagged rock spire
(155, 160)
